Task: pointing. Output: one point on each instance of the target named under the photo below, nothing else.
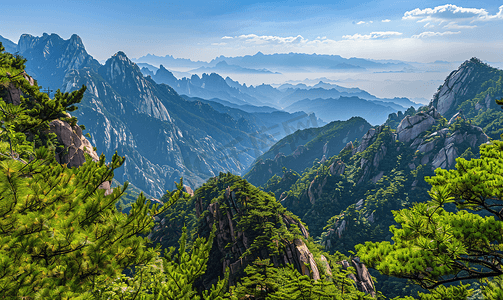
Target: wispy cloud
(227, 37)
(427, 34)
(270, 39)
(386, 21)
(372, 35)
(360, 23)
(454, 25)
(451, 13)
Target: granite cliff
(249, 225)
(162, 135)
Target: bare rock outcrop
(464, 84)
(412, 126)
(12, 94)
(337, 168)
(231, 243)
(75, 144)
(368, 139)
(362, 278)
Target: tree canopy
(456, 236)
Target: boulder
(412, 126)
(362, 278)
(337, 168)
(74, 144)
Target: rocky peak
(126, 78)
(118, 67)
(462, 84)
(163, 75)
(214, 82)
(50, 57)
(26, 41)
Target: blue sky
(201, 30)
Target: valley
(296, 189)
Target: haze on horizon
(421, 31)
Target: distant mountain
(163, 136)
(298, 150)
(321, 93)
(169, 61)
(301, 60)
(206, 87)
(9, 45)
(343, 108)
(270, 121)
(223, 67)
(346, 66)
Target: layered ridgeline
(332, 101)
(391, 158)
(163, 136)
(61, 234)
(347, 199)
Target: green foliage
(59, 232)
(169, 277)
(433, 246)
(61, 236)
(264, 281)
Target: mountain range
(333, 186)
(147, 122)
(281, 61)
(287, 97)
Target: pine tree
(61, 236)
(435, 245)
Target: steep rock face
(75, 144)
(466, 83)
(326, 190)
(362, 278)
(438, 149)
(126, 78)
(12, 94)
(249, 224)
(158, 149)
(412, 126)
(50, 57)
(162, 135)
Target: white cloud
(449, 12)
(386, 21)
(270, 39)
(432, 34)
(360, 23)
(372, 35)
(227, 37)
(454, 25)
(429, 25)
